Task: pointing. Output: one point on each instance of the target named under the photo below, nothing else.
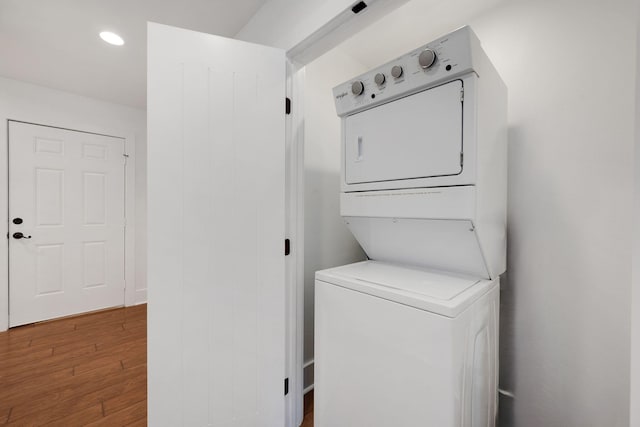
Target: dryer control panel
(427, 66)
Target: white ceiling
(55, 43)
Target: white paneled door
(66, 222)
(216, 218)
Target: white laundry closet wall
(328, 242)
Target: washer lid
(437, 292)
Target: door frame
(294, 229)
(332, 33)
(129, 206)
(634, 375)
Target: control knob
(379, 79)
(427, 58)
(357, 88)
(396, 71)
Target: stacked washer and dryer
(410, 337)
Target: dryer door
(419, 136)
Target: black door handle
(19, 235)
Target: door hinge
(461, 159)
(462, 94)
(286, 386)
(287, 247)
(287, 106)
(359, 7)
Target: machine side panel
(491, 215)
(477, 345)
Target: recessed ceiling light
(111, 38)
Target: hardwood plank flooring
(83, 370)
(307, 421)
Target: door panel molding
(129, 203)
(66, 200)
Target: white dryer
(410, 337)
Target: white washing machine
(404, 346)
(410, 337)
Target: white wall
(328, 242)
(570, 69)
(37, 104)
(570, 210)
(141, 211)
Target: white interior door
(66, 198)
(216, 187)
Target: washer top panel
(436, 292)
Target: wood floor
(308, 410)
(85, 370)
